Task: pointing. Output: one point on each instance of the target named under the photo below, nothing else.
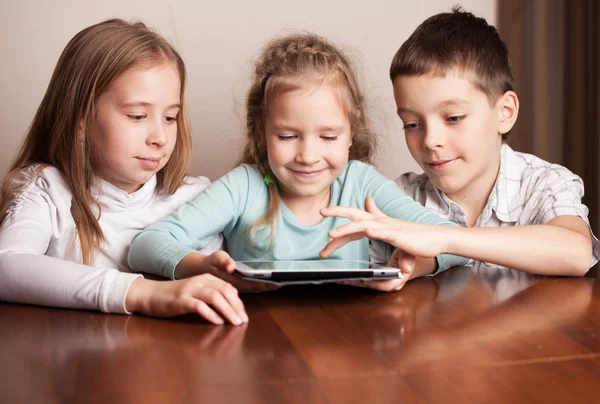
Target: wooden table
(469, 335)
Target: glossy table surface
(481, 334)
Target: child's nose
(158, 134)
(307, 153)
(434, 138)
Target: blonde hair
(289, 63)
(87, 67)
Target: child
(453, 90)
(308, 144)
(104, 157)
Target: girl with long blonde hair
(105, 156)
(308, 147)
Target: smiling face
(308, 136)
(452, 131)
(135, 127)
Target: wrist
(192, 264)
(137, 295)
(423, 267)
(449, 235)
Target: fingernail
(245, 318)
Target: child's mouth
(307, 174)
(149, 163)
(442, 164)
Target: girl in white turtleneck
(105, 157)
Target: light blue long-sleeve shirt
(241, 197)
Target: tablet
(314, 271)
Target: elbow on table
(581, 260)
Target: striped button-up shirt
(528, 190)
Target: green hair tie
(268, 180)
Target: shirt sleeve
(395, 203)
(558, 192)
(160, 247)
(29, 276)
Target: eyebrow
(147, 104)
(453, 101)
(333, 128)
(325, 128)
(443, 104)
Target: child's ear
(508, 111)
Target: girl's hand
(221, 265)
(416, 239)
(399, 259)
(205, 295)
(217, 262)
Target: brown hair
(457, 40)
(88, 65)
(289, 63)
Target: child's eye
(286, 137)
(411, 126)
(136, 117)
(171, 119)
(456, 118)
(329, 138)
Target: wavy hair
(60, 130)
(292, 62)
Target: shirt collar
(111, 196)
(505, 196)
(441, 203)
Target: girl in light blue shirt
(308, 148)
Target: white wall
(218, 40)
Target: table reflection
(304, 338)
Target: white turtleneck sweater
(37, 262)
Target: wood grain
(482, 334)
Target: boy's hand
(206, 295)
(399, 259)
(416, 239)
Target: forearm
(48, 281)
(192, 264)
(537, 249)
(157, 252)
(162, 246)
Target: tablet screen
(313, 271)
(316, 265)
